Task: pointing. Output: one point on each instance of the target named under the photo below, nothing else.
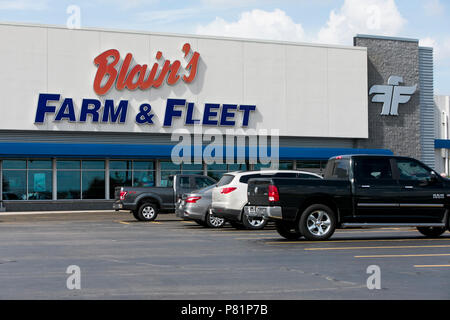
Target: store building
(84, 111)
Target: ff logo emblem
(391, 95)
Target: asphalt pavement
(120, 258)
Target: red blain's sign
(136, 78)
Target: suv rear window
(226, 179)
(244, 179)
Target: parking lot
(120, 258)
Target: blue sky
(325, 21)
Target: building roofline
(369, 36)
(194, 36)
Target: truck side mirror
(434, 178)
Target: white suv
(230, 195)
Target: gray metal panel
(427, 126)
(146, 138)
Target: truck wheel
(213, 222)
(253, 223)
(317, 222)
(287, 231)
(431, 232)
(147, 212)
(135, 214)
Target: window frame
(394, 175)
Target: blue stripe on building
(124, 151)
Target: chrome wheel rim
(318, 223)
(255, 222)
(148, 212)
(215, 221)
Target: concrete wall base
(11, 206)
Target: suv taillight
(273, 193)
(192, 199)
(122, 194)
(227, 190)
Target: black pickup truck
(146, 202)
(357, 191)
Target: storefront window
(14, 164)
(192, 168)
(143, 173)
(216, 171)
(68, 164)
(259, 166)
(119, 165)
(143, 165)
(93, 164)
(237, 167)
(69, 184)
(38, 175)
(168, 169)
(93, 184)
(40, 164)
(80, 179)
(14, 184)
(40, 182)
(68, 179)
(118, 178)
(286, 165)
(144, 179)
(119, 175)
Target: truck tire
(253, 224)
(317, 222)
(147, 212)
(431, 232)
(213, 222)
(135, 214)
(287, 231)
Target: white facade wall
(301, 89)
(442, 131)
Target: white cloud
(23, 4)
(258, 24)
(433, 7)
(380, 17)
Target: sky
(322, 21)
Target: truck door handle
(365, 186)
(409, 187)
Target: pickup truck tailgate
(257, 191)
